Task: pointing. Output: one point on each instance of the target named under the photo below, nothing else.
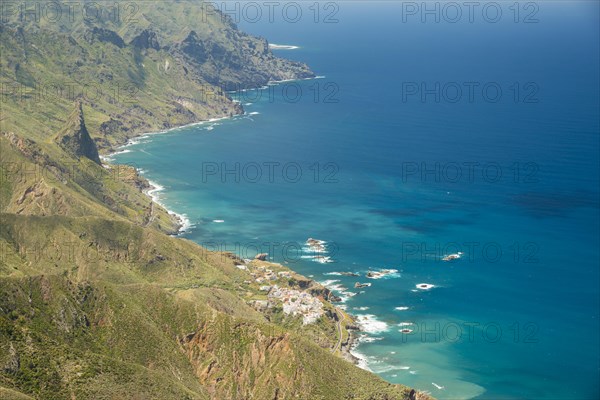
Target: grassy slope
(128, 90)
(96, 301)
(125, 92)
(126, 315)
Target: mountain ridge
(98, 298)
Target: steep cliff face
(172, 67)
(147, 39)
(95, 34)
(75, 138)
(96, 301)
(250, 64)
(259, 366)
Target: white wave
(154, 189)
(383, 274)
(186, 224)
(110, 157)
(369, 339)
(274, 46)
(385, 368)
(370, 324)
(425, 286)
(314, 250)
(141, 138)
(405, 324)
(131, 142)
(218, 221)
(328, 283)
(183, 219)
(318, 250)
(319, 259)
(401, 308)
(379, 367)
(338, 287)
(454, 256)
(177, 128)
(362, 360)
(277, 82)
(340, 290)
(360, 308)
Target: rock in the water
(261, 256)
(334, 299)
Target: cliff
(75, 138)
(172, 66)
(97, 301)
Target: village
(294, 302)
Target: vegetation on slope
(97, 301)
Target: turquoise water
(517, 316)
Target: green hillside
(97, 299)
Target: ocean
(426, 134)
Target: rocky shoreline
(349, 345)
(149, 188)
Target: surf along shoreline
(347, 348)
(183, 224)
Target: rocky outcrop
(194, 48)
(232, 256)
(248, 369)
(248, 64)
(75, 138)
(147, 39)
(103, 35)
(261, 257)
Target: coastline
(348, 347)
(182, 221)
(107, 152)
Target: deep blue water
(524, 210)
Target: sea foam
(370, 324)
